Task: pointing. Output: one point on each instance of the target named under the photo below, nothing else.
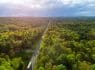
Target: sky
(55, 8)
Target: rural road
(36, 52)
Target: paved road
(36, 53)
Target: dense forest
(68, 45)
(18, 37)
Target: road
(37, 50)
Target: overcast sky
(47, 7)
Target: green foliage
(8, 64)
(16, 63)
(61, 67)
(84, 66)
(69, 45)
(41, 68)
(93, 67)
(17, 35)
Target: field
(67, 44)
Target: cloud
(48, 3)
(47, 7)
(32, 3)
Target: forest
(18, 39)
(68, 44)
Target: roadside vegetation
(18, 37)
(68, 45)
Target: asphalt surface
(37, 50)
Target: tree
(41, 68)
(93, 67)
(84, 66)
(61, 67)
